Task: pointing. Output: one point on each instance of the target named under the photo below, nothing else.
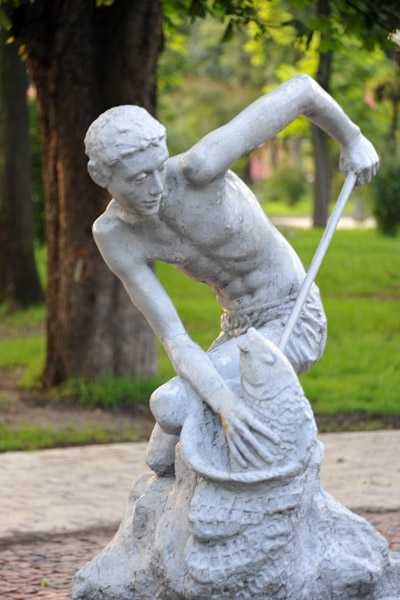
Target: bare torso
(219, 234)
(203, 220)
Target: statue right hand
(246, 435)
(360, 157)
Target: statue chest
(208, 253)
(211, 226)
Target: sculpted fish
(272, 393)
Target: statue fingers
(251, 440)
(375, 168)
(251, 457)
(363, 176)
(369, 171)
(265, 431)
(235, 452)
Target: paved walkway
(48, 492)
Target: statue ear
(96, 174)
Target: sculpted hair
(120, 132)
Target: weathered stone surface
(236, 509)
(221, 530)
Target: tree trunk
(19, 281)
(393, 125)
(322, 186)
(85, 60)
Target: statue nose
(156, 186)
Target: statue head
(127, 150)
(119, 133)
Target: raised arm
(269, 115)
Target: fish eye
(268, 358)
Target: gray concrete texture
(70, 490)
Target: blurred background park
(80, 366)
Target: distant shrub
(287, 184)
(386, 195)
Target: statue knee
(168, 403)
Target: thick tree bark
(19, 281)
(84, 60)
(322, 186)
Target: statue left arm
(267, 116)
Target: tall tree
(322, 185)
(19, 281)
(84, 60)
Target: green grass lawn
(360, 288)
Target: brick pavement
(50, 497)
(24, 567)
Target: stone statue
(235, 509)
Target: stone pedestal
(208, 526)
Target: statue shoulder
(107, 222)
(112, 220)
(114, 226)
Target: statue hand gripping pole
(318, 258)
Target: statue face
(137, 182)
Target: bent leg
(169, 404)
(160, 453)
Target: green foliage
(19, 352)
(41, 263)
(287, 184)
(236, 13)
(28, 319)
(36, 437)
(109, 392)
(197, 307)
(186, 122)
(355, 75)
(366, 20)
(277, 207)
(37, 180)
(360, 370)
(358, 264)
(386, 198)
(5, 22)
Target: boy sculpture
(236, 510)
(193, 212)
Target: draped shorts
(307, 341)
